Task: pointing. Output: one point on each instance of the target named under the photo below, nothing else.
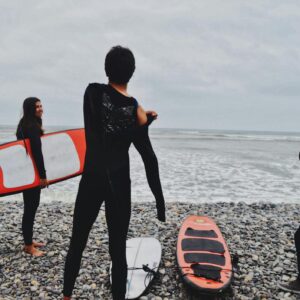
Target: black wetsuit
(31, 197)
(297, 243)
(110, 127)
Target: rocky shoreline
(260, 234)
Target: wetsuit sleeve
(36, 149)
(92, 110)
(143, 145)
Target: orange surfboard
(202, 255)
(63, 152)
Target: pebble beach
(259, 234)
(246, 181)
(215, 87)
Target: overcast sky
(200, 64)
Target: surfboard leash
(154, 272)
(202, 267)
(151, 273)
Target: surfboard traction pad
(192, 244)
(207, 264)
(204, 258)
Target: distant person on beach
(294, 286)
(113, 120)
(31, 127)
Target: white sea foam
(200, 166)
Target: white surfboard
(143, 251)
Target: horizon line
(72, 126)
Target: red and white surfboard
(63, 153)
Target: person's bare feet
(37, 244)
(30, 249)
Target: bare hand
(44, 183)
(152, 113)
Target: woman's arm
(143, 145)
(36, 149)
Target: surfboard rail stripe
(134, 265)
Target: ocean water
(206, 166)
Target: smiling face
(38, 109)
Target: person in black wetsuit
(30, 126)
(294, 286)
(113, 120)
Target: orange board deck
(202, 255)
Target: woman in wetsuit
(113, 120)
(30, 126)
